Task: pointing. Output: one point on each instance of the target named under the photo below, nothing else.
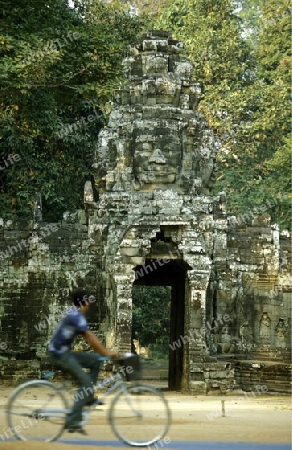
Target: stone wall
(154, 222)
(40, 264)
(36, 280)
(253, 286)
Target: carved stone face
(157, 161)
(280, 323)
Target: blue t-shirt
(73, 323)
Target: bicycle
(138, 413)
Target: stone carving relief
(265, 328)
(157, 160)
(246, 339)
(281, 332)
(156, 138)
(225, 345)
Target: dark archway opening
(172, 273)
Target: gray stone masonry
(155, 222)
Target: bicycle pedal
(77, 430)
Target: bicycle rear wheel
(139, 416)
(36, 411)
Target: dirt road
(262, 419)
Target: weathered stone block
(198, 387)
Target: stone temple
(151, 219)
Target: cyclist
(60, 349)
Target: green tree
(151, 317)
(249, 12)
(262, 170)
(221, 57)
(54, 76)
(241, 57)
(273, 117)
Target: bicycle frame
(127, 402)
(119, 385)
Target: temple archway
(171, 273)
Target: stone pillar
(123, 313)
(197, 320)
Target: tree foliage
(211, 34)
(151, 316)
(55, 75)
(271, 126)
(59, 66)
(242, 58)
(265, 153)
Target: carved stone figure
(156, 162)
(155, 138)
(88, 192)
(246, 338)
(225, 346)
(265, 327)
(281, 333)
(38, 216)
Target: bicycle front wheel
(36, 410)
(139, 416)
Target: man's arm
(95, 343)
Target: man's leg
(89, 361)
(71, 363)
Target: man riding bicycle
(60, 349)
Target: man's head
(80, 298)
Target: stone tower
(155, 215)
(155, 222)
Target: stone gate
(151, 219)
(156, 216)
